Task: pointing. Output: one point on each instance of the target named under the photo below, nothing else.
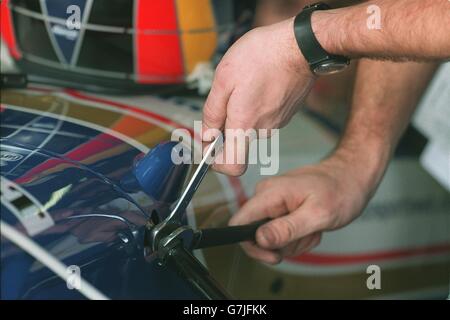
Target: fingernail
(266, 236)
(209, 134)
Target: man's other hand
(259, 84)
(303, 203)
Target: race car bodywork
(65, 155)
(61, 184)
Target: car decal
(31, 214)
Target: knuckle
(333, 221)
(221, 74)
(235, 170)
(275, 183)
(239, 120)
(210, 113)
(220, 83)
(208, 107)
(230, 170)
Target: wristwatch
(320, 61)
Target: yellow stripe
(198, 38)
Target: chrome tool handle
(196, 179)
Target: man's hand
(307, 201)
(303, 203)
(259, 83)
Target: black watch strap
(311, 49)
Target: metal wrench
(187, 195)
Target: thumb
(281, 231)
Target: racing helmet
(116, 44)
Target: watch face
(330, 67)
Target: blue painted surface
(46, 165)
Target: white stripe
(298, 268)
(76, 50)
(49, 136)
(123, 30)
(47, 131)
(134, 38)
(105, 106)
(61, 21)
(141, 147)
(36, 251)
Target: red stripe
(7, 30)
(158, 56)
(151, 114)
(347, 259)
(98, 144)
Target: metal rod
(195, 273)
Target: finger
(298, 224)
(233, 158)
(314, 243)
(215, 108)
(266, 256)
(265, 204)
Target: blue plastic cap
(158, 175)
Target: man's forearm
(385, 96)
(408, 29)
(272, 11)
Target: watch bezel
(338, 65)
